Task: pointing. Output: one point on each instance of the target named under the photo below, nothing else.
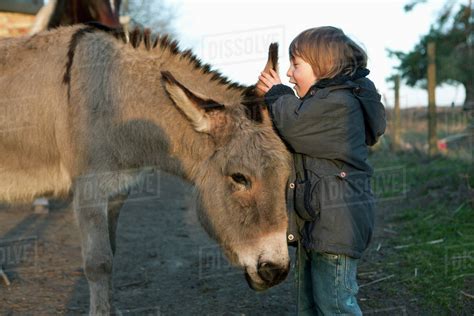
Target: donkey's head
(241, 186)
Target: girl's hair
(329, 51)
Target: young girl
(328, 128)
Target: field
(420, 261)
(424, 255)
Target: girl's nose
(289, 72)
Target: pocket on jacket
(307, 201)
(344, 189)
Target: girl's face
(301, 74)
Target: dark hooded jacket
(330, 128)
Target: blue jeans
(326, 284)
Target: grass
(434, 246)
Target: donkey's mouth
(267, 275)
(259, 287)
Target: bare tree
(154, 14)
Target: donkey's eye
(240, 179)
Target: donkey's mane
(144, 37)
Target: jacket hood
(370, 100)
(372, 108)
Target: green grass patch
(434, 248)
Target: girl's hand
(268, 80)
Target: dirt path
(165, 265)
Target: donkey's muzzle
(272, 274)
(269, 274)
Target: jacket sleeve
(315, 126)
(277, 91)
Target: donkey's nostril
(271, 273)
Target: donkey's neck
(152, 130)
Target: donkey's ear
(272, 63)
(193, 105)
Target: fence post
(396, 116)
(432, 138)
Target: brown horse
(68, 12)
(106, 108)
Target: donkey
(106, 106)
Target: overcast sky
(234, 35)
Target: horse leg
(96, 250)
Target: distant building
(18, 16)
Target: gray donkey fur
(80, 105)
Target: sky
(233, 36)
